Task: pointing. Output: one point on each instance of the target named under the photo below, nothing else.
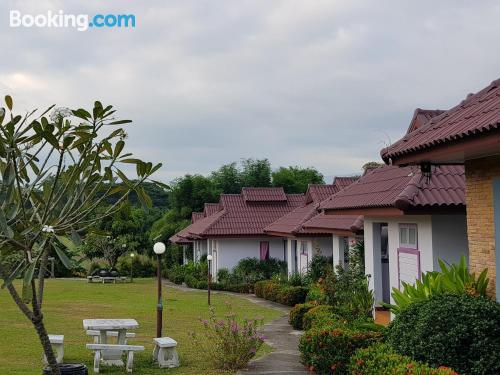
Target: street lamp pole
(209, 261)
(132, 255)
(159, 248)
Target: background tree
(256, 173)
(55, 172)
(96, 246)
(296, 179)
(227, 179)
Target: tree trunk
(47, 347)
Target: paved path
(285, 359)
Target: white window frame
(407, 244)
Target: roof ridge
(405, 197)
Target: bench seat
(128, 349)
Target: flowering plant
(229, 343)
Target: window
(408, 236)
(303, 247)
(264, 250)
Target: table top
(109, 324)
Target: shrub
(223, 276)
(319, 267)
(459, 331)
(328, 350)
(348, 292)
(190, 281)
(259, 288)
(316, 294)
(297, 279)
(381, 359)
(297, 314)
(321, 316)
(453, 279)
(291, 295)
(227, 343)
(143, 266)
(251, 270)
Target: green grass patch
(68, 302)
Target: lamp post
(132, 255)
(209, 261)
(159, 248)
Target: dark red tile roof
(195, 216)
(422, 117)
(245, 214)
(293, 222)
(478, 114)
(316, 193)
(211, 208)
(264, 194)
(331, 223)
(343, 182)
(402, 187)
(179, 240)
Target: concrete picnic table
(111, 357)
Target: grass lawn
(68, 302)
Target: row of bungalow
(422, 206)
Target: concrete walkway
(285, 359)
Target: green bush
(291, 295)
(321, 316)
(297, 279)
(281, 293)
(381, 359)
(259, 288)
(319, 267)
(316, 294)
(143, 266)
(348, 292)
(251, 270)
(328, 350)
(191, 281)
(297, 314)
(454, 279)
(459, 331)
(223, 276)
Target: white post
(195, 250)
(289, 256)
(309, 253)
(338, 251)
(184, 254)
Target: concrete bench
(57, 342)
(128, 349)
(96, 335)
(165, 352)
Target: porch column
(338, 251)
(195, 250)
(289, 256)
(373, 263)
(309, 253)
(184, 254)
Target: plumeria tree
(56, 169)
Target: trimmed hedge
(328, 350)
(236, 288)
(381, 359)
(281, 293)
(321, 316)
(459, 331)
(297, 314)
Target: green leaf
(63, 257)
(6, 230)
(75, 237)
(130, 161)
(68, 243)
(82, 113)
(118, 148)
(20, 267)
(120, 122)
(49, 137)
(28, 277)
(8, 101)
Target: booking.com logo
(81, 22)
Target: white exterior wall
(449, 238)
(439, 236)
(231, 250)
(314, 246)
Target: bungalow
(236, 230)
(468, 133)
(185, 237)
(302, 242)
(410, 221)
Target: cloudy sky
(323, 83)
